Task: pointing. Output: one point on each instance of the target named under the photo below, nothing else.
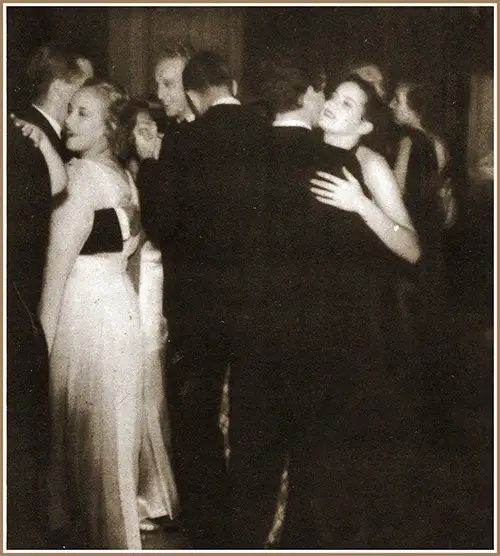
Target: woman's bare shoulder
(370, 158)
(83, 181)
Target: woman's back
(96, 366)
(103, 187)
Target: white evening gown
(96, 374)
(157, 494)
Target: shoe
(148, 526)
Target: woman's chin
(322, 125)
(73, 146)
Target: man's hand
(31, 131)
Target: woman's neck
(415, 123)
(342, 141)
(105, 156)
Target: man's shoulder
(230, 124)
(297, 141)
(34, 116)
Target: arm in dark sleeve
(106, 234)
(28, 200)
(157, 182)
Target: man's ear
(365, 127)
(234, 88)
(58, 87)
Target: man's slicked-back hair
(177, 49)
(284, 77)
(48, 63)
(206, 69)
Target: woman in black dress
(358, 461)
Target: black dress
(351, 473)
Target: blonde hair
(116, 101)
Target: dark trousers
(259, 436)
(198, 359)
(28, 434)
(354, 482)
(275, 389)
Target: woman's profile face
(343, 112)
(401, 111)
(86, 121)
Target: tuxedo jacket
(28, 197)
(304, 233)
(152, 172)
(316, 258)
(28, 215)
(205, 212)
(106, 235)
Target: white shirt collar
(227, 100)
(291, 122)
(189, 118)
(55, 124)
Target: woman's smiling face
(86, 121)
(343, 112)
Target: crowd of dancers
(288, 250)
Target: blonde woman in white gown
(91, 317)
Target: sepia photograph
(249, 277)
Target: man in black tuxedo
(300, 365)
(170, 91)
(28, 429)
(56, 74)
(205, 216)
(270, 389)
(29, 206)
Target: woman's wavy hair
(116, 103)
(134, 107)
(422, 99)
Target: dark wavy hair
(134, 107)
(116, 102)
(285, 77)
(422, 99)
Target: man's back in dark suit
(210, 209)
(28, 426)
(207, 220)
(297, 330)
